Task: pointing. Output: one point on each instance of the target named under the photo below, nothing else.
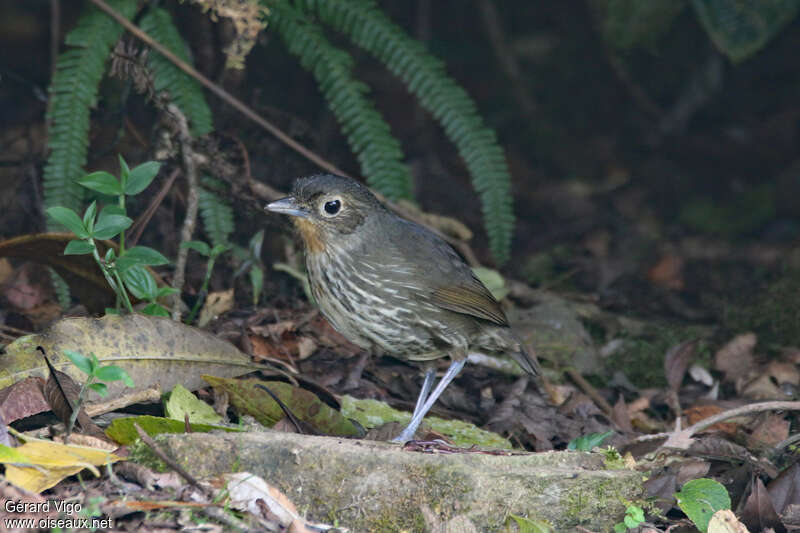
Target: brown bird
(394, 287)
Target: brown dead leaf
(769, 380)
(724, 521)
(22, 399)
(696, 413)
(758, 512)
(736, 357)
(216, 303)
(620, 415)
(768, 431)
(62, 393)
(785, 489)
(668, 272)
(677, 360)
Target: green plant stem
(122, 234)
(103, 267)
(77, 407)
(123, 293)
(203, 290)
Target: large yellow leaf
(38, 465)
(153, 350)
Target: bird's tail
(527, 360)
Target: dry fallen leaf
(735, 359)
(725, 521)
(152, 350)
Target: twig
(135, 233)
(190, 169)
(681, 439)
(148, 440)
(505, 56)
(590, 391)
(219, 91)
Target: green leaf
(113, 373)
(198, 246)
(102, 182)
(619, 527)
(256, 241)
(154, 309)
(78, 248)
(700, 499)
(529, 525)
(114, 209)
(110, 225)
(256, 282)
(124, 170)
(166, 291)
(219, 249)
(139, 281)
(69, 219)
(122, 431)
(740, 29)
(83, 363)
(99, 388)
(88, 216)
(110, 256)
(181, 402)
(141, 177)
(140, 255)
(586, 443)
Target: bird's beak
(288, 206)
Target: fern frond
(369, 136)
(425, 76)
(183, 90)
(73, 93)
(216, 212)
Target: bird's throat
(310, 234)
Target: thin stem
(201, 296)
(219, 91)
(123, 293)
(78, 405)
(122, 234)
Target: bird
(393, 287)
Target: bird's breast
(311, 235)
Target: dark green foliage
(740, 29)
(370, 28)
(378, 151)
(73, 92)
(183, 90)
(216, 213)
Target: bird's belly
(374, 314)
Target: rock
(376, 486)
(554, 329)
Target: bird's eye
(332, 207)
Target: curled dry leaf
(724, 521)
(216, 304)
(758, 512)
(677, 360)
(61, 393)
(22, 399)
(152, 350)
(770, 381)
(769, 430)
(736, 358)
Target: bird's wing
(443, 277)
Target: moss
(773, 312)
(642, 357)
(140, 453)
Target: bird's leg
(419, 413)
(430, 375)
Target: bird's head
(327, 209)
